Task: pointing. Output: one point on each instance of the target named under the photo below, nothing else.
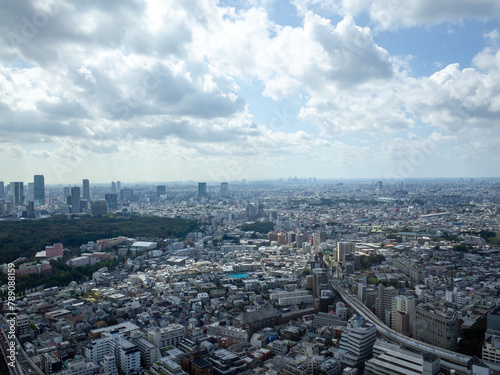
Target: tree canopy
(258, 226)
(25, 238)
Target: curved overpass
(449, 360)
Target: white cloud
(160, 80)
(393, 14)
(492, 37)
(458, 99)
(390, 14)
(248, 45)
(12, 150)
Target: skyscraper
(30, 196)
(161, 190)
(344, 248)
(30, 208)
(126, 194)
(319, 237)
(39, 189)
(17, 192)
(113, 187)
(112, 200)
(86, 190)
(118, 185)
(75, 200)
(224, 189)
(2, 189)
(99, 207)
(320, 280)
(202, 189)
(384, 301)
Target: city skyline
(223, 91)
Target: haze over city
(218, 91)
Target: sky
(175, 90)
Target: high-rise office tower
(112, 200)
(86, 190)
(30, 208)
(66, 192)
(384, 301)
(224, 189)
(127, 194)
(75, 200)
(17, 192)
(379, 185)
(118, 185)
(113, 187)
(161, 190)
(99, 207)
(320, 280)
(30, 196)
(344, 248)
(202, 189)
(39, 189)
(2, 189)
(319, 237)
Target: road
(3, 344)
(23, 366)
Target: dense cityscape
(293, 276)
(256, 187)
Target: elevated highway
(449, 360)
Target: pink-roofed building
(54, 250)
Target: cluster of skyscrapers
(15, 195)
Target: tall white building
(357, 341)
(384, 301)
(150, 353)
(126, 354)
(403, 315)
(344, 248)
(97, 349)
(362, 292)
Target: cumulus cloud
(12, 150)
(394, 14)
(161, 79)
(456, 99)
(389, 14)
(288, 59)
